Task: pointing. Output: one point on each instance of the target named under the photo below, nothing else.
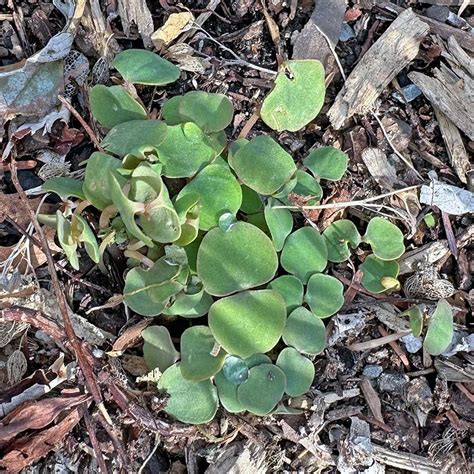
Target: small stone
(372, 371)
(347, 33)
(412, 344)
(392, 382)
(408, 93)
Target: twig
(238, 60)
(84, 124)
(373, 343)
(95, 444)
(392, 146)
(83, 362)
(396, 348)
(341, 205)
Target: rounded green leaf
(64, 187)
(87, 237)
(324, 295)
(135, 138)
(188, 401)
(197, 359)
(235, 370)
(374, 270)
(385, 238)
(248, 322)
(440, 329)
(237, 259)
(158, 348)
(299, 371)
(263, 165)
(339, 235)
(218, 191)
(290, 288)
(263, 389)
(227, 394)
(97, 185)
(139, 66)
(184, 151)
(113, 105)
(327, 162)
(212, 112)
(147, 292)
(297, 96)
(416, 320)
(279, 222)
(305, 332)
(304, 253)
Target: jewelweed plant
(204, 225)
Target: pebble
(392, 382)
(347, 33)
(372, 371)
(408, 93)
(412, 344)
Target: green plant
(205, 226)
(439, 320)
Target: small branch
(84, 124)
(341, 205)
(95, 443)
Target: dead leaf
(131, 336)
(16, 367)
(12, 207)
(31, 87)
(33, 415)
(173, 27)
(28, 449)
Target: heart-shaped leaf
(97, 179)
(148, 292)
(135, 138)
(263, 389)
(218, 191)
(185, 151)
(64, 187)
(263, 165)
(297, 96)
(324, 295)
(113, 105)
(304, 253)
(158, 348)
(305, 332)
(298, 369)
(339, 235)
(327, 162)
(139, 66)
(188, 401)
(440, 329)
(279, 222)
(385, 239)
(290, 288)
(198, 361)
(248, 322)
(375, 273)
(237, 259)
(257, 359)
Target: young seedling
(201, 224)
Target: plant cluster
(207, 230)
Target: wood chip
(396, 48)
(454, 145)
(136, 12)
(447, 92)
(372, 399)
(380, 169)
